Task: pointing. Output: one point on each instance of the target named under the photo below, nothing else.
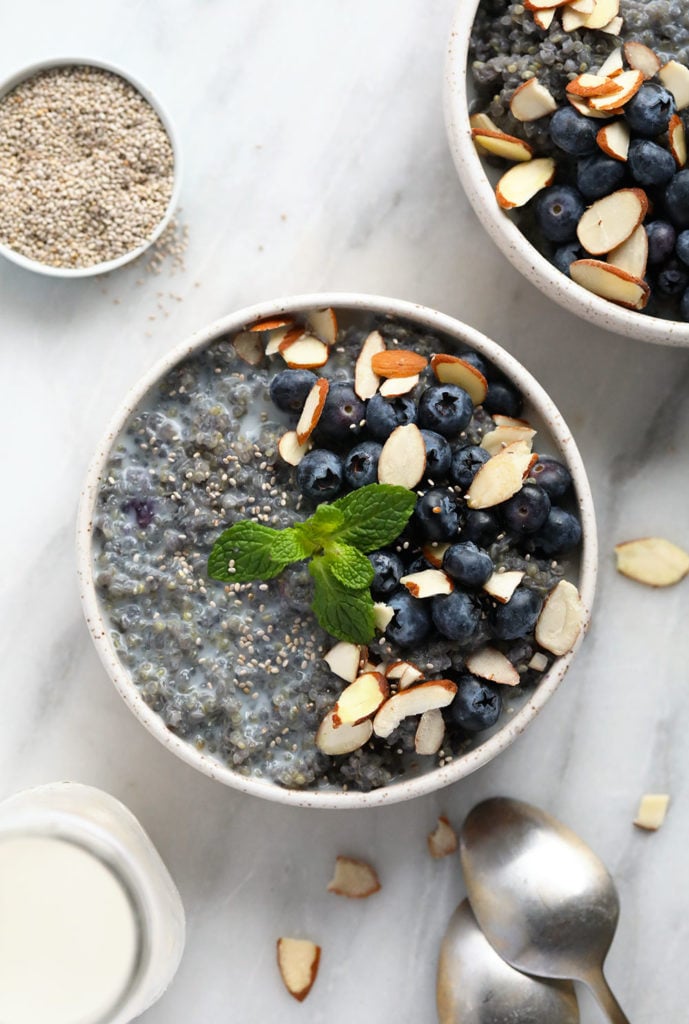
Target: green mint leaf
(345, 614)
(316, 530)
(258, 552)
(349, 567)
(375, 515)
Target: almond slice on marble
(614, 26)
(628, 84)
(436, 693)
(483, 121)
(290, 450)
(455, 370)
(335, 740)
(614, 138)
(531, 101)
(499, 144)
(652, 560)
(398, 362)
(365, 380)
(652, 811)
(589, 84)
(323, 323)
(275, 339)
(677, 140)
(642, 58)
(523, 181)
(561, 620)
(613, 63)
(428, 583)
(313, 407)
(632, 255)
(434, 552)
(583, 108)
(539, 662)
(489, 663)
(443, 839)
(544, 18)
(539, 5)
(602, 14)
(298, 961)
(610, 221)
(344, 660)
(402, 460)
(249, 347)
(383, 615)
(500, 477)
(502, 585)
(360, 699)
(354, 878)
(498, 439)
(306, 353)
(430, 733)
(393, 387)
(675, 78)
(610, 282)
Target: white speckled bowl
(538, 406)
(479, 181)
(22, 75)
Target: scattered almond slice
(613, 64)
(652, 811)
(428, 583)
(483, 121)
(602, 14)
(443, 840)
(677, 140)
(501, 585)
(411, 675)
(500, 144)
(249, 347)
(430, 733)
(365, 380)
(632, 255)
(523, 181)
(306, 353)
(503, 435)
(354, 878)
(489, 663)
(393, 387)
(561, 619)
(614, 138)
(436, 693)
(313, 407)
(402, 460)
(290, 450)
(434, 552)
(531, 101)
(500, 477)
(344, 659)
(360, 699)
(583, 107)
(544, 18)
(539, 5)
(652, 560)
(539, 662)
(270, 323)
(275, 339)
(614, 26)
(592, 85)
(610, 282)
(675, 78)
(383, 615)
(628, 84)
(642, 58)
(298, 961)
(611, 220)
(323, 323)
(454, 370)
(335, 740)
(397, 362)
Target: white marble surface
(315, 158)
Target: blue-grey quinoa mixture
(237, 670)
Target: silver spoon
(475, 986)
(543, 898)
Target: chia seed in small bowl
(231, 677)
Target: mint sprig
(336, 537)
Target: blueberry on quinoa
(289, 388)
(518, 616)
(438, 454)
(672, 279)
(476, 705)
(384, 414)
(455, 615)
(388, 570)
(526, 511)
(503, 398)
(468, 564)
(649, 164)
(319, 475)
(661, 240)
(572, 132)
(551, 475)
(436, 515)
(342, 414)
(466, 462)
(477, 361)
(648, 112)
(411, 623)
(445, 409)
(558, 211)
(361, 464)
(561, 532)
(677, 199)
(480, 525)
(682, 247)
(598, 175)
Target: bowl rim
(46, 64)
(561, 439)
(502, 229)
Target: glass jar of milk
(91, 924)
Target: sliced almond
(611, 220)
(582, 106)
(383, 615)
(610, 282)
(365, 380)
(344, 659)
(290, 450)
(436, 693)
(642, 58)
(428, 583)
(443, 839)
(677, 140)
(249, 347)
(628, 84)
(396, 669)
(613, 64)
(454, 370)
(489, 663)
(335, 740)
(409, 677)
(354, 878)
(434, 553)
(582, 6)
(573, 20)
(561, 620)
(531, 101)
(632, 255)
(592, 85)
(483, 121)
(602, 14)
(500, 477)
(323, 323)
(430, 733)
(393, 387)
(306, 353)
(360, 699)
(397, 362)
(544, 18)
(613, 139)
(403, 458)
(539, 662)
(502, 585)
(275, 339)
(313, 407)
(614, 26)
(675, 78)
(498, 439)
(298, 961)
(270, 323)
(652, 811)
(539, 5)
(523, 181)
(500, 144)
(652, 560)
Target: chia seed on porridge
(237, 670)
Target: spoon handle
(606, 999)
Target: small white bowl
(538, 405)
(99, 268)
(479, 184)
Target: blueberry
(438, 454)
(319, 475)
(649, 163)
(572, 132)
(677, 199)
(342, 414)
(384, 414)
(466, 462)
(560, 533)
(649, 110)
(598, 175)
(518, 616)
(477, 361)
(361, 464)
(480, 525)
(684, 306)
(418, 564)
(661, 240)
(527, 511)
(558, 211)
(143, 509)
(672, 278)
(445, 408)
(682, 247)
(468, 564)
(503, 398)
(455, 615)
(436, 515)
(289, 388)
(388, 569)
(551, 475)
(475, 706)
(565, 256)
(411, 623)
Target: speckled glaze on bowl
(479, 183)
(15, 79)
(510, 727)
